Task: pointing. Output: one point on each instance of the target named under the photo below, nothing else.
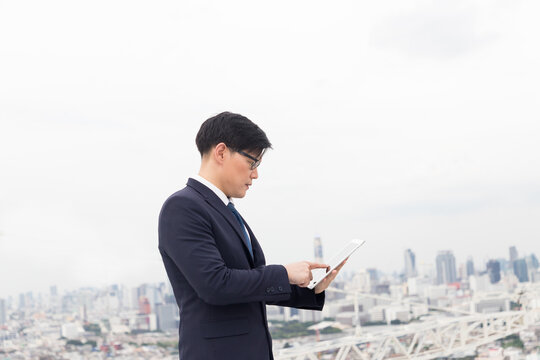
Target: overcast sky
(411, 124)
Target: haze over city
(381, 130)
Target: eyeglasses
(256, 162)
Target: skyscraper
(3, 314)
(317, 247)
(494, 271)
(410, 264)
(470, 267)
(144, 305)
(520, 270)
(167, 316)
(22, 301)
(513, 254)
(446, 267)
(532, 262)
(373, 275)
(505, 265)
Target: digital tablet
(348, 250)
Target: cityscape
(410, 124)
(141, 322)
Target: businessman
(213, 260)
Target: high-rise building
(410, 264)
(29, 299)
(144, 305)
(169, 299)
(133, 299)
(3, 313)
(520, 270)
(470, 267)
(150, 293)
(22, 301)
(446, 267)
(167, 317)
(373, 275)
(494, 271)
(462, 272)
(513, 254)
(505, 265)
(83, 314)
(317, 247)
(532, 262)
(54, 291)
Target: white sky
(411, 124)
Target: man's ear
(220, 153)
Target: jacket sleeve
(302, 298)
(186, 237)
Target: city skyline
(445, 274)
(529, 261)
(365, 306)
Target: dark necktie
(239, 218)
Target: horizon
(347, 271)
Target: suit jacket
(220, 289)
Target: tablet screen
(319, 274)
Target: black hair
(236, 131)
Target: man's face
(238, 175)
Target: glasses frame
(256, 162)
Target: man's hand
(300, 273)
(327, 280)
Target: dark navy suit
(221, 291)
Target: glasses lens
(255, 161)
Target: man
(215, 263)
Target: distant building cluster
(370, 299)
(142, 322)
(91, 323)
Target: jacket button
(272, 289)
(280, 288)
(268, 290)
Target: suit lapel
(217, 204)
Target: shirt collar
(214, 188)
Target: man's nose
(254, 174)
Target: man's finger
(313, 265)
